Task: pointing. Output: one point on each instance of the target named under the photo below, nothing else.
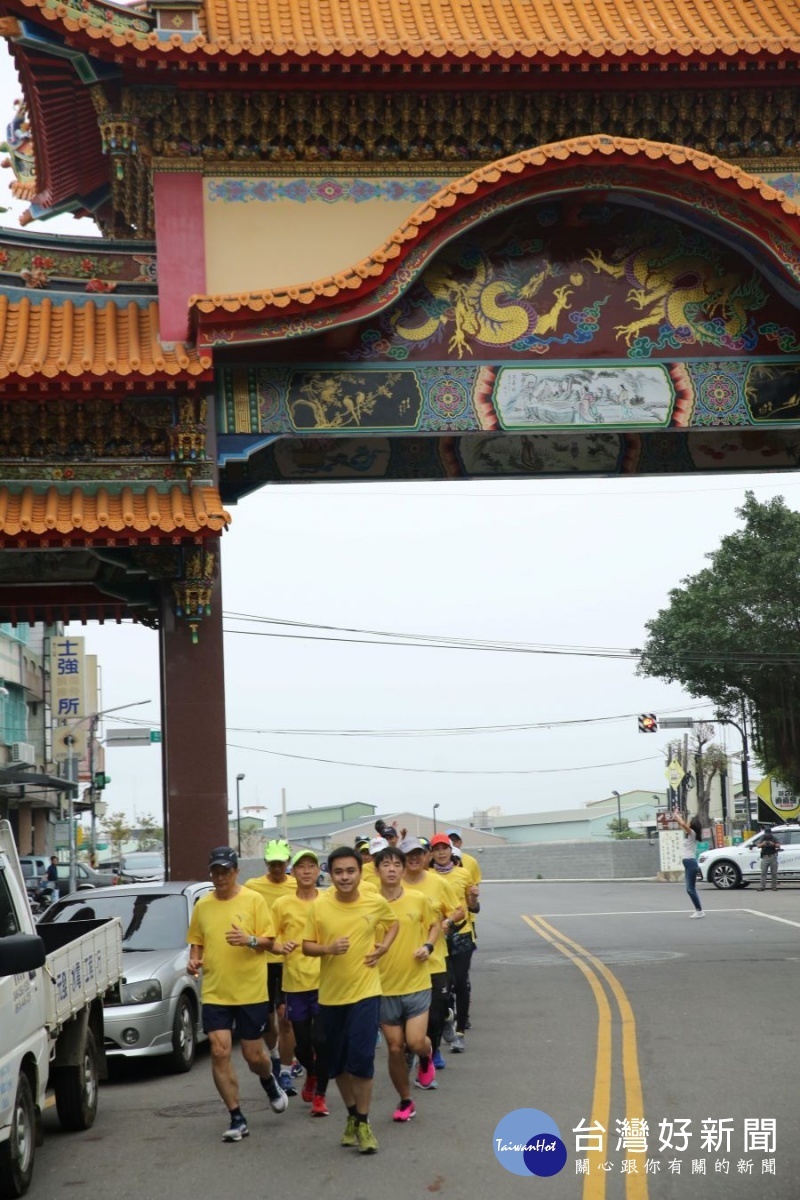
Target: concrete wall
(557, 831)
(627, 859)
(632, 859)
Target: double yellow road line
(595, 972)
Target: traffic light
(648, 723)
(101, 780)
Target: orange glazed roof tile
(106, 513)
(459, 28)
(377, 263)
(49, 337)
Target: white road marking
(643, 912)
(771, 917)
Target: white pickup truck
(52, 982)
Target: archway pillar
(193, 747)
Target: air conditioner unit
(23, 753)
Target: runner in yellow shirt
(448, 907)
(460, 940)
(279, 1036)
(368, 877)
(468, 861)
(350, 931)
(229, 932)
(301, 980)
(406, 981)
(369, 872)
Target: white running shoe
(697, 915)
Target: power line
(432, 645)
(375, 637)
(457, 730)
(436, 731)
(335, 762)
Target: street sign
(676, 722)
(128, 737)
(674, 774)
(764, 789)
(155, 735)
(778, 798)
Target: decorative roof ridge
(111, 508)
(374, 265)
(368, 29)
(88, 338)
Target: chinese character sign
(670, 842)
(67, 677)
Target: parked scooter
(44, 895)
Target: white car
(142, 866)
(736, 866)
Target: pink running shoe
(404, 1111)
(427, 1078)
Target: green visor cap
(304, 854)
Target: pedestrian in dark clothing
(769, 846)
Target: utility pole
(685, 780)
(745, 752)
(745, 763)
(92, 797)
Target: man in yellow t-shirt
(229, 932)
(301, 980)
(369, 872)
(449, 909)
(350, 931)
(369, 879)
(279, 1036)
(468, 861)
(406, 981)
(461, 939)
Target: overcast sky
(557, 562)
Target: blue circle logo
(527, 1142)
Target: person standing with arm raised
(694, 832)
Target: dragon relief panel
(553, 278)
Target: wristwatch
(253, 942)
(428, 946)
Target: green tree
(706, 761)
(732, 632)
(150, 835)
(116, 828)
(620, 828)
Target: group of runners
(309, 978)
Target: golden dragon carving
(682, 290)
(483, 308)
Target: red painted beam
(180, 244)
